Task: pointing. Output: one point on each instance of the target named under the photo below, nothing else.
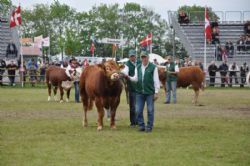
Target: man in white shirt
(148, 85)
(233, 69)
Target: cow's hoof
(113, 127)
(49, 98)
(61, 101)
(84, 124)
(67, 100)
(55, 98)
(99, 128)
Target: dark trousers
(77, 93)
(243, 80)
(223, 80)
(132, 108)
(212, 81)
(12, 80)
(1, 77)
(231, 75)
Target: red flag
(146, 40)
(15, 19)
(207, 26)
(92, 49)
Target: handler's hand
(155, 96)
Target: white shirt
(155, 77)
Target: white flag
(38, 41)
(46, 42)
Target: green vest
(145, 85)
(171, 68)
(131, 72)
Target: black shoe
(141, 129)
(148, 130)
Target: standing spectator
(212, 69)
(148, 85)
(130, 71)
(233, 69)
(71, 71)
(33, 72)
(2, 70)
(11, 68)
(42, 71)
(241, 44)
(244, 69)
(171, 71)
(223, 73)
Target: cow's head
(112, 70)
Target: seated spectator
(247, 28)
(231, 49)
(183, 18)
(244, 69)
(233, 69)
(218, 53)
(224, 54)
(241, 44)
(11, 51)
(247, 43)
(215, 36)
(214, 24)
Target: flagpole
(21, 52)
(205, 47)
(151, 42)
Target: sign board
(111, 41)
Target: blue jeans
(171, 86)
(132, 110)
(140, 102)
(77, 93)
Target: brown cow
(192, 75)
(99, 83)
(55, 77)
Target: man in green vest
(129, 70)
(148, 85)
(172, 70)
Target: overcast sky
(159, 6)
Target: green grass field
(36, 132)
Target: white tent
(159, 59)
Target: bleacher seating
(192, 38)
(5, 36)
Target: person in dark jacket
(244, 69)
(223, 73)
(11, 51)
(129, 70)
(2, 70)
(212, 69)
(11, 68)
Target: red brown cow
(192, 75)
(55, 77)
(100, 83)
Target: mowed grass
(36, 132)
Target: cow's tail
(86, 100)
(248, 78)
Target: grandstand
(192, 36)
(6, 35)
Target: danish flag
(207, 26)
(146, 40)
(15, 19)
